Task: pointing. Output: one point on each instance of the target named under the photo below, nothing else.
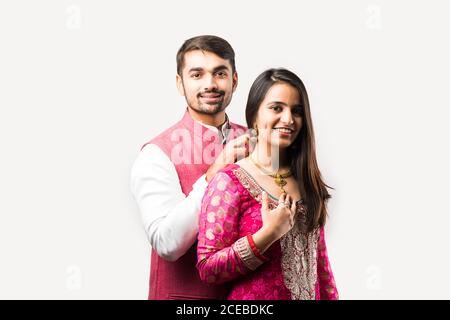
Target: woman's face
(279, 116)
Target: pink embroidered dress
(294, 267)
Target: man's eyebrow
(220, 68)
(195, 69)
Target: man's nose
(210, 83)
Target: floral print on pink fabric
(230, 210)
(219, 218)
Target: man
(170, 174)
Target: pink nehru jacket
(192, 148)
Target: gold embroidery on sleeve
(244, 251)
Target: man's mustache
(211, 91)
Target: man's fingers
(241, 153)
(239, 141)
(252, 143)
(237, 148)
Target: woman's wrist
(264, 238)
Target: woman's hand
(280, 220)
(276, 222)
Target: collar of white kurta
(191, 123)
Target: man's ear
(235, 81)
(180, 86)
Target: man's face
(207, 82)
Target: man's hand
(233, 151)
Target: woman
(262, 219)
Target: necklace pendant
(280, 181)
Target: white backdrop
(83, 84)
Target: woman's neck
(272, 159)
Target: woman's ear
(255, 132)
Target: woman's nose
(287, 116)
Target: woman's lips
(284, 132)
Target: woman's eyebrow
(298, 105)
(278, 102)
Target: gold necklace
(278, 177)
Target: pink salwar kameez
(294, 267)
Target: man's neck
(215, 120)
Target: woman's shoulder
(229, 169)
(228, 177)
(236, 170)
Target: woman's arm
(222, 254)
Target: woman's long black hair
(302, 152)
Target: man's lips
(211, 97)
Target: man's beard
(208, 108)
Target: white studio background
(83, 84)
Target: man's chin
(210, 109)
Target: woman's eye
(297, 112)
(276, 108)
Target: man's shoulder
(238, 126)
(236, 130)
(163, 136)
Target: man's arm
(170, 218)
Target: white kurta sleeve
(170, 218)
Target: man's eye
(195, 75)
(221, 74)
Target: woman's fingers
(293, 212)
(282, 199)
(294, 207)
(288, 201)
(264, 202)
